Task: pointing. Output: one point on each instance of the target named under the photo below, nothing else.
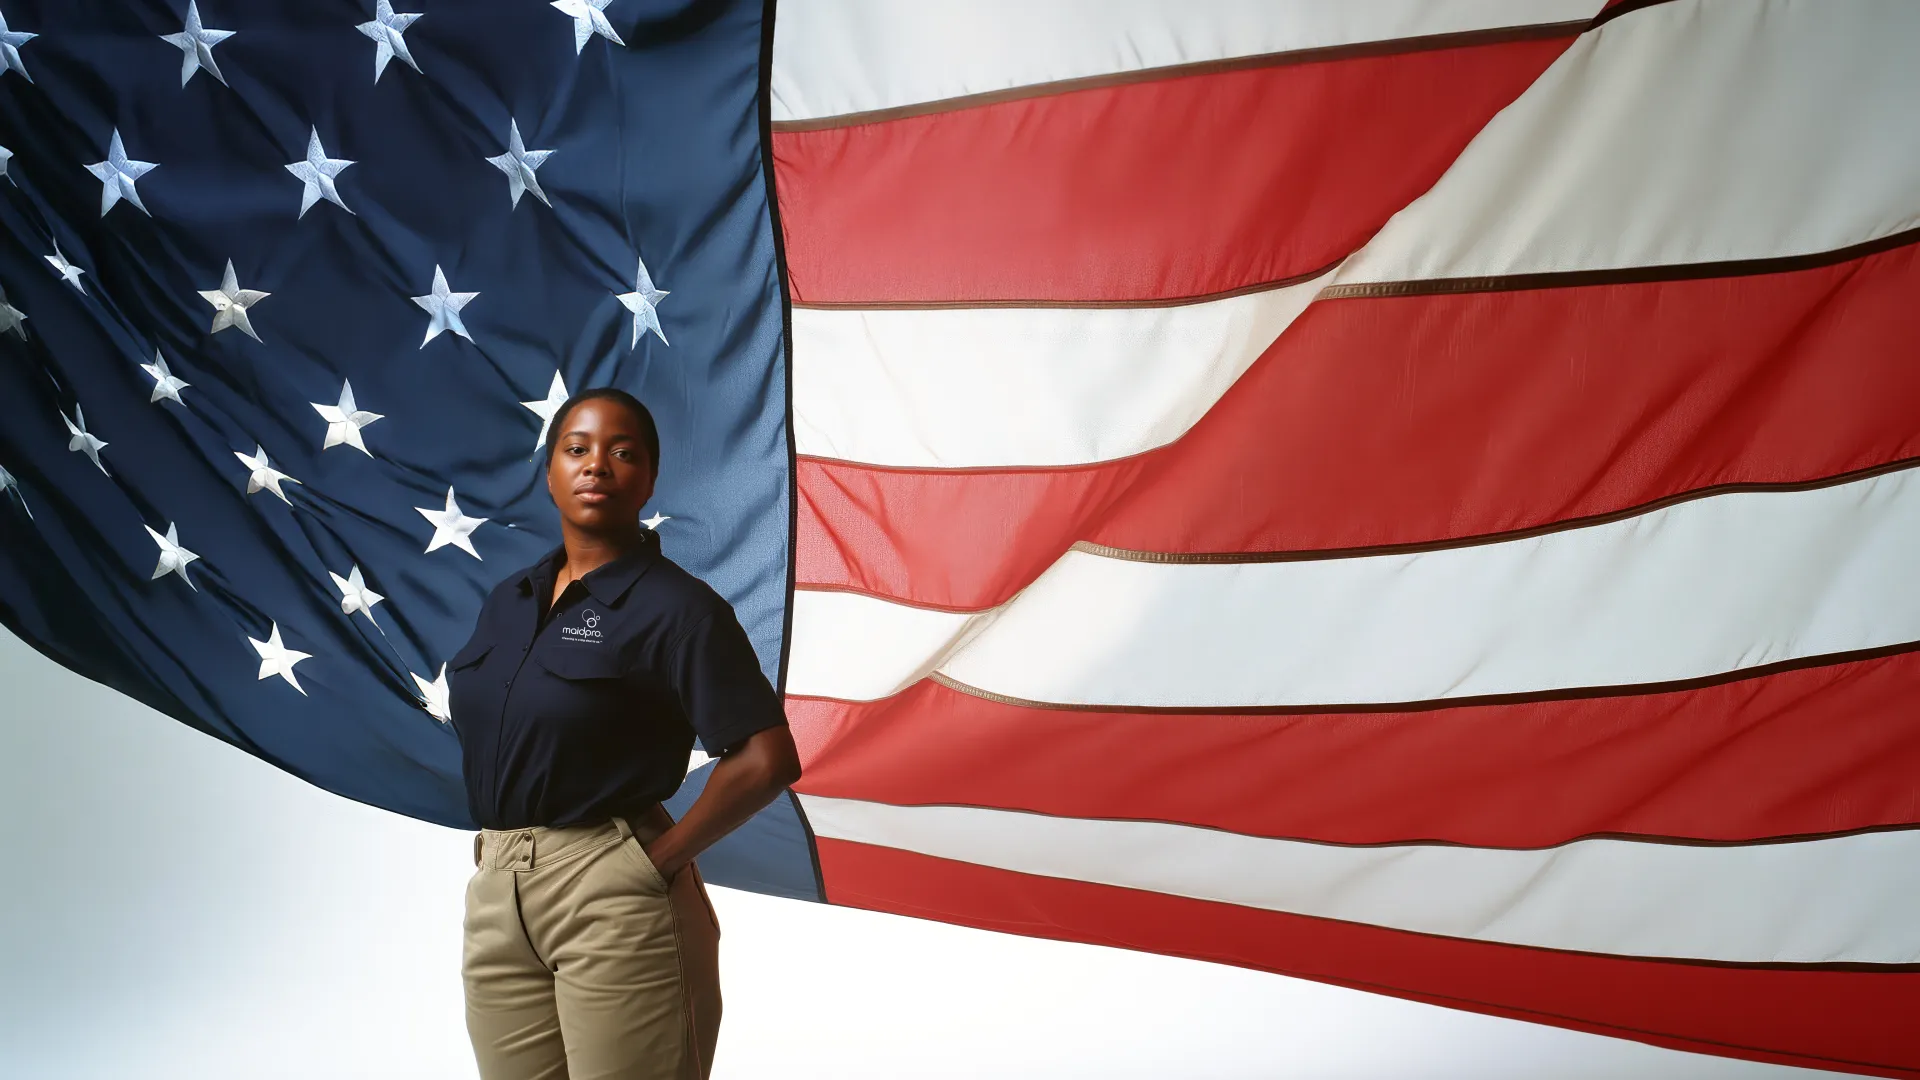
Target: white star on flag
(444, 305)
(354, 594)
(589, 18)
(12, 318)
(262, 475)
(117, 174)
(277, 659)
(654, 521)
(519, 163)
(345, 420)
(385, 30)
(9, 483)
(173, 557)
(450, 526)
(318, 173)
(68, 272)
(197, 42)
(435, 695)
(81, 441)
(231, 303)
(556, 397)
(641, 301)
(10, 42)
(165, 383)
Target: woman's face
(600, 475)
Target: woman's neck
(586, 552)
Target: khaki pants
(580, 963)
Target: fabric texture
(580, 962)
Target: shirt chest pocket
(581, 682)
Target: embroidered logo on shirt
(589, 631)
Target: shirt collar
(607, 582)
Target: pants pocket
(638, 853)
(700, 886)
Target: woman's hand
(744, 779)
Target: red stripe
(1413, 419)
(1859, 1021)
(1163, 189)
(1818, 750)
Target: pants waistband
(541, 845)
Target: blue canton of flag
(291, 289)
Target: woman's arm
(745, 779)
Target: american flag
(299, 284)
(1413, 495)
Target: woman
(591, 952)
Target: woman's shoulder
(681, 591)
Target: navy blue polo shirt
(592, 710)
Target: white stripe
(1689, 132)
(846, 645)
(958, 387)
(1701, 588)
(833, 57)
(1848, 899)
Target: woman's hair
(648, 432)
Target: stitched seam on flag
(1374, 290)
(764, 119)
(777, 229)
(1151, 302)
(1214, 558)
(917, 605)
(1626, 275)
(1631, 958)
(1580, 693)
(1699, 682)
(1651, 839)
(1652, 1036)
(1625, 7)
(1334, 554)
(1576, 1022)
(975, 470)
(1500, 35)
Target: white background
(173, 908)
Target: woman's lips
(592, 498)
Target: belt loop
(477, 837)
(626, 830)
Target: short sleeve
(717, 677)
